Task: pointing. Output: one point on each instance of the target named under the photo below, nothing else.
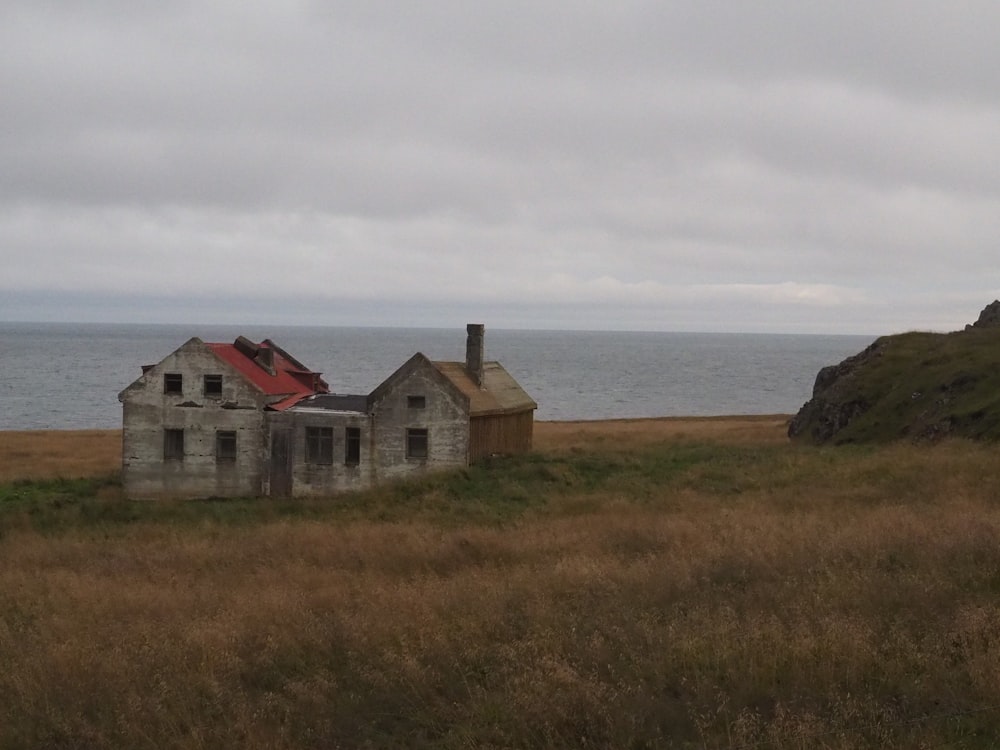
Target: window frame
(173, 444)
(414, 437)
(352, 446)
(216, 381)
(226, 446)
(319, 445)
(173, 383)
(416, 402)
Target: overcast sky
(779, 166)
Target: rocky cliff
(919, 386)
(990, 316)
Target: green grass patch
(505, 490)
(493, 492)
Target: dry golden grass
(48, 454)
(633, 433)
(627, 627)
(721, 591)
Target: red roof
(272, 370)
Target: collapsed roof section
(271, 369)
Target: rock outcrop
(834, 404)
(919, 386)
(989, 317)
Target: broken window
(416, 442)
(173, 382)
(213, 385)
(416, 402)
(225, 446)
(352, 446)
(319, 445)
(173, 445)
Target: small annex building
(248, 419)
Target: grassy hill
(918, 386)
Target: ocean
(68, 376)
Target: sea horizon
(444, 327)
(68, 375)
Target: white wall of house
(419, 421)
(151, 408)
(322, 468)
(442, 413)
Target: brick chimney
(474, 351)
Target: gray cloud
(765, 166)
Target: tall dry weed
(721, 599)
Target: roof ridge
(276, 373)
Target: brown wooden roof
(500, 393)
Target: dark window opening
(173, 445)
(173, 382)
(319, 445)
(416, 443)
(213, 385)
(225, 446)
(416, 402)
(352, 446)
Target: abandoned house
(247, 419)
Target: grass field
(642, 584)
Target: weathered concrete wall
(149, 411)
(317, 479)
(271, 456)
(444, 416)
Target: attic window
(173, 382)
(416, 402)
(416, 443)
(213, 385)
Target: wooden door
(281, 462)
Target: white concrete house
(246, 419)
